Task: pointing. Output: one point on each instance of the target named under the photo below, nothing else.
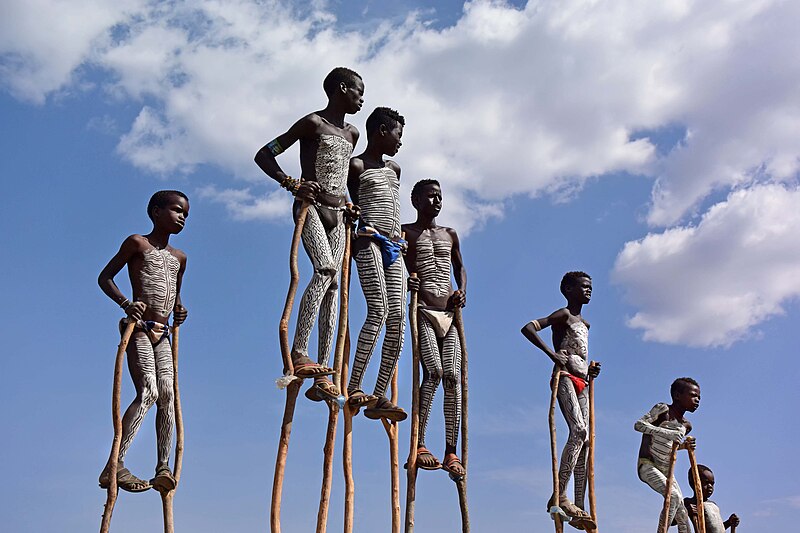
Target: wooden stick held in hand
(168, 496)
(668, 491)
(113, 460)
(411, 482)
(559, 524)
(461, 485)
(701, 515)
(590, 461)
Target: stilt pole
(288, 370)
(701, 515)
(333, 406)
(168, 496)
(555, 510)
(590, 461)
(411, 482)
(394, 462)
(668, 491)
(462, 483)
(113, 460)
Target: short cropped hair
(681, 384)
(384, 116)
(570, 279)
(161, 199)
(416, 190)
(700, 470)
(337, 76)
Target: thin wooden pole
(394, 462)
(590, 459)
(461, 484)
(411, 482)
(288, 369)
(701, 514)
(554, 452)
(664, 521)
(168, 496)
(347, 445)
(333, 405)
(113, 460)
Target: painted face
(355, 96)
(392, 139)
(172, 216)
(689, 397)
(429, 200)
(707, 482)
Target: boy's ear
(383, 129)
(342, 87)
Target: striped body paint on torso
(159, 278)
(379, 200)
(433, 267)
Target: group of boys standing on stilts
(430, 251)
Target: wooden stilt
(462, 483)
(288, 369)
(590, 459)
(411, 465)
(394, 462)
(559, 524)
(113, 460)
(333, 406)
(347, 445)
(167, 497)
(700, 526)
(664, 521)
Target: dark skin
(577, 294)
(707, 483)
(344, 100)
(167, 220)
(428, 203)
(382, 142)
(687, 398)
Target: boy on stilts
(432, 251)
(571, 360)
(660, 428)
(374, 185)
(326, 142)
(156, 271)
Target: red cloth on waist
(579, 383)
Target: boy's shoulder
(391, 164)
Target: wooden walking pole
(167, 497)
(288, 370)
(461, 484)
(394, 462)
(333, 406)
(668, 490)
(113, 460)
(590, 459)
(347, 443)
(555, 511)
(701, 514)
(411, 465)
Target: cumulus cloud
(707, 284)
(505, 101)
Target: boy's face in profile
(392, 140)
(688, 397)
(354, 93)
(172, 216)
(581, 290)
(429, 200)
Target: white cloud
(244, 205)
(706, 285)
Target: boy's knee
(579, 433)
(149, 396)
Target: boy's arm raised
(105, 280)
(647, 424)
(531, 332)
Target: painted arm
(179, 311)
(732, 520)
(459, 297)
(647, 424)
(354, 172)
(105, 280)
(531, 332)
(306, 127)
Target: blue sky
(654, 146)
